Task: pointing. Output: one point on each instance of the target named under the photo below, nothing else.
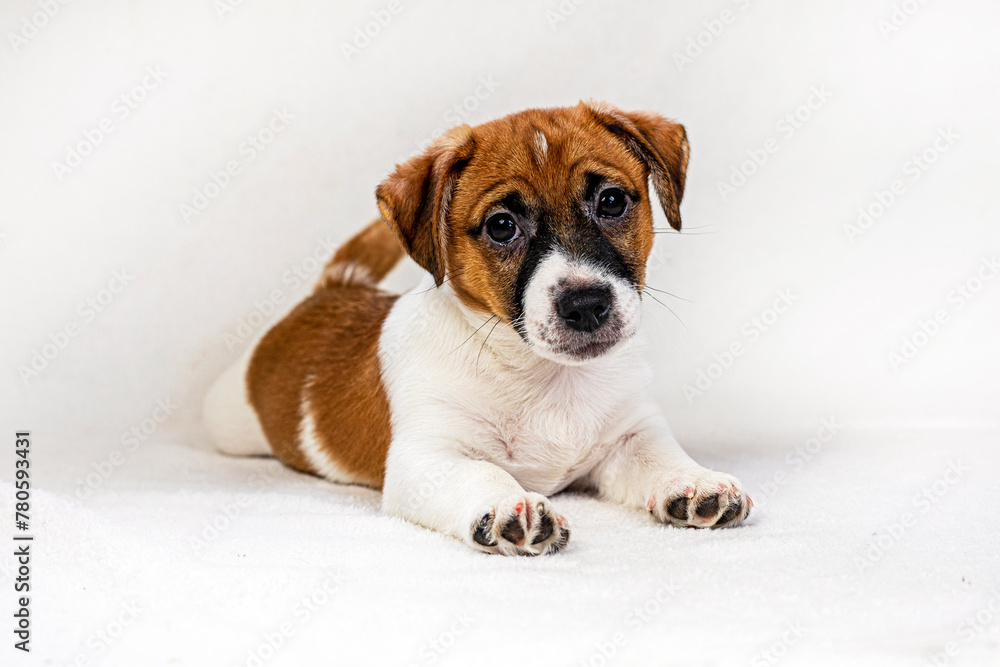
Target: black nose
(585, 309)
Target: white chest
(547, 431)
(545, 423)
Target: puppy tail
(364, 260)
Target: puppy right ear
(659, 142)
(414, 199)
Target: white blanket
(871, 550)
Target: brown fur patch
(543, 161)
(503, 161)
(327, 347)
(365, 259)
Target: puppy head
(543, 219)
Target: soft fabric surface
(218, 558)
(117, 296)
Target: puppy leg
(475, 501)
(229, 417)
(648, 469)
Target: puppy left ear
(414, 199)
(659, 142)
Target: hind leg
(230, 418)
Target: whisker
(663, 291)
(446, 279)
(665, 306)
(516, 323)
(484, 344)
(673, 231)
(687, 228)
(473, 334)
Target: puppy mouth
(584, 347)
(553, 337)
(589, 350)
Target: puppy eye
(501, 228)
(611, 203)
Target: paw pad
(523, 527)
(705, 504)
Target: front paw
(521, 525)
(700, 498)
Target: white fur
(230, 418)
(484, 423)
(478, 418)
(235, 428)
(347, 273)
(548, 336)
(309, 445)
(540, 146)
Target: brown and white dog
(513, 372)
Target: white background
(892, 90)
(354, 118)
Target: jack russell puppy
(513, 371)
